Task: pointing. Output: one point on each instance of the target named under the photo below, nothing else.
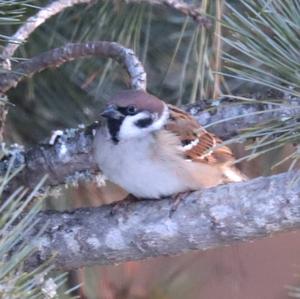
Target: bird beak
(112, 112)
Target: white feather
(129, 129)
(131, 165)
(233, 175)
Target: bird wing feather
(198, 144)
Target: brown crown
(138, 98)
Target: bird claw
(121, 205)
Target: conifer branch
(205, 219)
(59, 56)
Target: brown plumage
(207, 147)
(138, 99)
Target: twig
(59, 56)
(186, 9)
(205, 219)
(218, 49)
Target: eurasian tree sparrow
(153, 150)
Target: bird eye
(131, 110)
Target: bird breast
(144, 167)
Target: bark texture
(65, 158)
(59, 56)
(138, 230)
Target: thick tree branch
(69, 52)
(205, 219)
(64, 159)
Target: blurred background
(246, 48)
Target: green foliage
(264, 35)
(11, 13)
(263, 50)
(11, 236)
(18, 214)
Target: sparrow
(154, 150)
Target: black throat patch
(114, 128)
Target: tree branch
(59, 56)
(205, 219)
(230, 115)
(65, 159)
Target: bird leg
(176, 200)
(119, 206)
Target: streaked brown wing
(197, 143)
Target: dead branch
(59, 56)
(188, 10)
(205, 219)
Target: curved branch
(59, 56)
(138, 230)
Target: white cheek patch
(129, 129)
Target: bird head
(134, 114)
